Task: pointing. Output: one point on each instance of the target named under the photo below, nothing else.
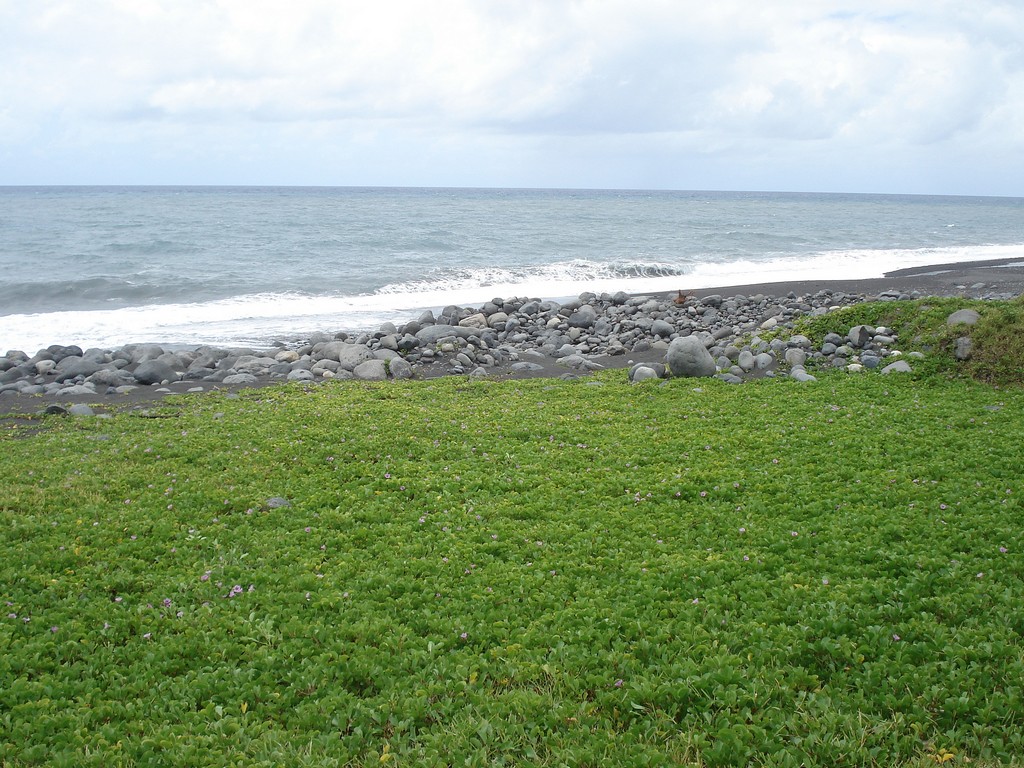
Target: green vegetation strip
(520, 573)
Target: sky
(898, 96)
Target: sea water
(247, 266)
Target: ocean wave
(95, 292)
(571, 271)
(260, 318)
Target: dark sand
(1002, 278)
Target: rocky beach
(711, 332)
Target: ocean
(247, 266)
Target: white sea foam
(259, 319)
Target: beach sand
(1001, 279)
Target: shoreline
(507, 347)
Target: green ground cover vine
(520, 573)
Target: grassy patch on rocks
(534, 572)
(997, 339)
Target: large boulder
(71, 367)
(688, 357)
(434, 333)
(399, 368)
(584, 317)
(155, 372)
(371, 370)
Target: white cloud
(494, 89)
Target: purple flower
(1003, 550)
(618, 683)
(896, 638)
(167, 602)
(148, 635)
(12, 615)
(205, 576)
(54, 629)
(464, 636)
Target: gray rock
(278, 502)
(526, 366)
(662, 328)
(399, 368)
(497, 320)
(477, 321)
(860, 335)
(962, 348)
(300, 375)
(746, 360)
(142, 353)
(371, 370)
(714, 300)
(963, 316)
(81, 409)
(900, 366)
(579, 362)
(111, 377)
(795, 357)
(389, 342)
(240, 378)
(640, 373)
(584, 317)
(253, 364)
(801, 375)
(154, 372)
(434, 333)
(688, 357)
(870, 361)
(763, 361)
(76, 391)
(347, 355)
(73, 367)
(58, 352)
